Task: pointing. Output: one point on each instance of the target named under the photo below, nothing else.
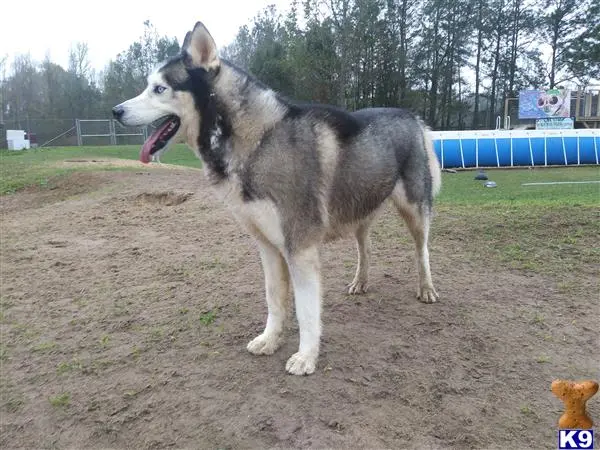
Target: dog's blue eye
(159, 89)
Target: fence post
(78, 128)
(113, 132)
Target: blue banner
(544, 104)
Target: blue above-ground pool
(509, 148)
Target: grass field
(37, 166)
(461, 188)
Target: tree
(341, 18)
(21, 90)
(270, 52)
(3, 64)
(481, 27)
(79, 62)
(581, 55)
(446, 60)
(560, 30)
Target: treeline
(45, 98)
(454, 62)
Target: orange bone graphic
(574, 396)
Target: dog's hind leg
(360, 283)
(304, 270)
(417, 217)
(277, 290)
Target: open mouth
(159, 138)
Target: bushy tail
(434, 164)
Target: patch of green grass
(208, 318)
(19, 169)
(565, 286)
(538, 319)
(104, 341)
(120, 307)
(25, 331)
(45, 347)
(212, 263)
(461, 189)
(527, 237)
(135, 352)
(542, 359)
(5, 303)
(14, 403)
(70, 366)
(98, 365)
(156, 334)
(519, 257)
(80, 301)
(526, 410)
(130, 394)
(61, 400)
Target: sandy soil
(128, 299)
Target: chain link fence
(43, 130)
(64, 132)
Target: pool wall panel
(500, 148)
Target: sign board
(544, 104)
(555, 123)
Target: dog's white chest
(260, 217)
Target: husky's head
(179, 94)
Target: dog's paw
(427, 294)
(358, 287)
(264, 344)
(301, 364)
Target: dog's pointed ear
(186, 41)
(201, 47)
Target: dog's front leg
(277, 289)
(304, 269)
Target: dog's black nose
(118, 112)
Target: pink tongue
(146, 148)
(145, 155)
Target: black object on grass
(481, 175)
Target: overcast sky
(110, 26)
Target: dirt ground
(128, 299)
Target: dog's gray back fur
(374, 150)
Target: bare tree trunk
(403, 19)
(461, 125)
(435, 73)
(2, 87)
(475, 123)
(495, 76)
(553, 66)
(340, 16)
(516, 28)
